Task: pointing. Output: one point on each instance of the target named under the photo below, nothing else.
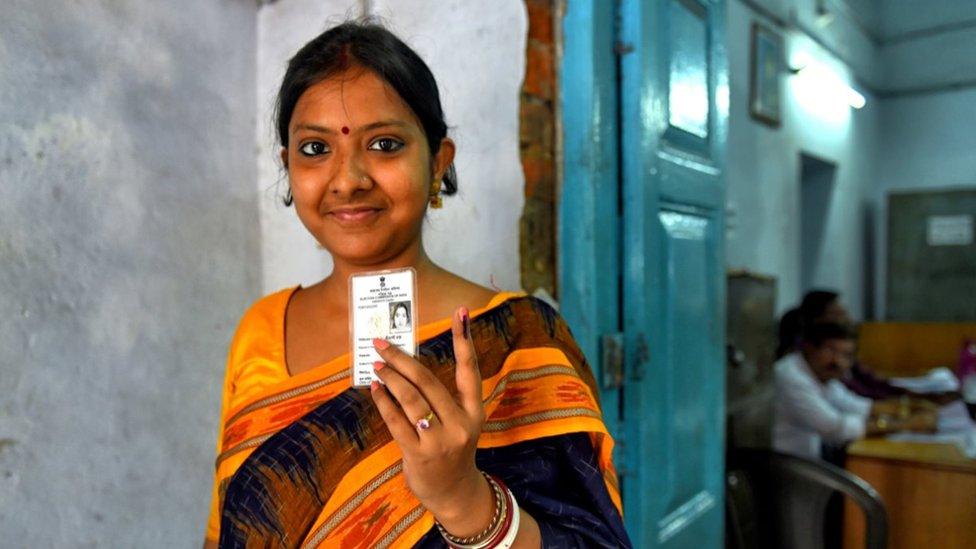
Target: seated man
(826, 306)
(817, 306)
(812, 406)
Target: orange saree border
(536, 394)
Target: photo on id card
(383, 305)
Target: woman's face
(360, 167)
(400, 317)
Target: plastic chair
(776, 500)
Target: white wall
(842, 31)
(763, 173)
(928, 142)
(898, 17)
(476, 51)
(917, 134)
(929, 61)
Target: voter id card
(382, 305)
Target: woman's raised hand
(437, 433)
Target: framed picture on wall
(765, 66)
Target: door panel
(672, 141)
(589, 227)
(931, 256)
(668, 116)
(688, 98)
(686, 301)
(690, 357)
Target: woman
(491, 437)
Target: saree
(306, 460)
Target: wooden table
(929, 491)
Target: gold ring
(424, 423)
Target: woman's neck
(336, 285)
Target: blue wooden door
(641, 266)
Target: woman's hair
(815, 304)
(794, 322)
(790, 328)
(372, 47)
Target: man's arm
(805, 402)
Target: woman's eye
(313, 148)
(386, 144)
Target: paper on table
(936, 381)
(954, 427)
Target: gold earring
(436, 201)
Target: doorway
(817, 177)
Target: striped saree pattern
(308, 462)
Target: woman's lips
(354, 216)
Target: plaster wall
(476, 51)
(843, 31)
(932, 61)
(128, 249)
(893, 45)
(899, 17)
(763, 174)
(928, 143)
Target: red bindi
(345, 130)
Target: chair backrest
(778, 500)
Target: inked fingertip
(466, 324)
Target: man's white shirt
(808, 412)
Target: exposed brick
(538, 172)
(536, 124)
(537, 229)
(539, 70)
(540, 20)
(536, 248)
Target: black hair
(815, 304)
(368, 45)
(819, 332)
(790, 328)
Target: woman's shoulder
(530, 316)
(457, 290)
(261, 328)
(267, 312)
(533, 333)
(532, 306)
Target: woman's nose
(351, 177)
